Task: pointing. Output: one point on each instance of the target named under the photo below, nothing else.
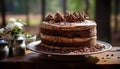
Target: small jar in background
(4, 50)
(19, 47)
(30, 39)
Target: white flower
(12, 20)
(13, 23)
(18, 25)
(2, 30)
(10, 26)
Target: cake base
(100, 47)
(70, 50)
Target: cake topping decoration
(81, 17)
(50, 18)
(59, 17)
(76, 15)
(68, 17)
(85, 16)
(67, 14)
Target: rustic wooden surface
(110, 57)
(33, 60)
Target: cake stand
(33, 46)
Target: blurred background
(106, 13)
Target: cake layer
(90, 32)
(88, 43)
(63, 41)
(65, 34)
(63, 48)
(87, 24)
(60, 39)
(70, 50)
(82, 30)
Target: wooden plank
(110, 57)
(32, 60)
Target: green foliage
(52, 6)
(20, 21)
(17, 31)
(79, 5)
(28, 35)
(76, 5)
(92, 9)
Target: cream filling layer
(69, 26)
(64, 39)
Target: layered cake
(69, 31)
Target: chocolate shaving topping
(81, 18)
(76, 15)
(85, 16)
(67, 14)
(70, 18)
(59, 17)
(49, 18)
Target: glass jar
(19, 47)
(4, 50)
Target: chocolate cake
(69, 31)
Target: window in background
(35, 12)
(26, 10)
(15, 9)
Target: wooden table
(107, 59)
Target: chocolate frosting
(68, 17)
(86, 17)
(50, 18)
(71, 18)
(59, 17)
(81, 18)
(76, 15)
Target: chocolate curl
(81, 18)
(70, 18)
(85, 16)
(76, 15)
(67, 14)
(59, 17)
(50, 17)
